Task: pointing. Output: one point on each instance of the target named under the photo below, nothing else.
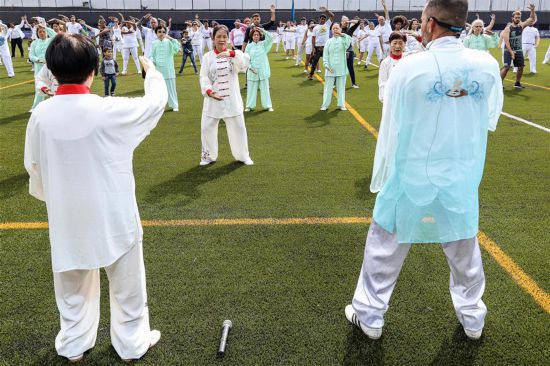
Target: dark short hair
(400, 19)
(255, 15)
(160, 27)
(398, 35)
(220, 27)
(72, 58)
(322, 16)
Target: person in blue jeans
(187, 51)
(109, 71)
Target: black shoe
(112, 94)
(518, 85)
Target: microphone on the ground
(226, 326)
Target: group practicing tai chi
(435, 70)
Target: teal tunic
(162, 55)
(482, 42)
(38, 50)
(258, 58)
(334, 55)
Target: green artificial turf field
(285, 286)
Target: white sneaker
(343, 109)
(248, 162)
(474, 335)
(124, 73)
(175, 110)
(154, 339)
(319, 71)
(359, 63)
(324, 108)
(351, 316)
(270, 109)
(247, 110)
(30, 110)
(287, 58)
(305, 71)
(205, 162)
(355, 86)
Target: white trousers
(117, 46)
(198, 50)
(376, 48)
(126, 56)
(385, 50)
(547, 56)
(383, 260)
(300, 51)
(6, 59)
(290, 43)
(529, 51)
(77, 297)
(236, 132)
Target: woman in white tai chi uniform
(438, 108)
(4, 50)
(129, 46)
(222, 99)
(78, 153)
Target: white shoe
(76, 359)
(324, 108)
(175, 110)
(343, 109)
(154, 339)
(287, 58)
(319, 71)
(359, 63)
(205, 162)
(474, 335)
(351, 316)
(124, 73)
(248, 162)
(247, 110)
(270, 109)
(355, 86)
(305, 71)
(30, 110)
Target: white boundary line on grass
(545, 129)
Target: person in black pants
(348, 27)
(187, 51)
(16, 38)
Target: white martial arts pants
(290, 44)
(529, 51)
(126, 56)
(208, 43)
(547, 56)
(385, 50)
(300, 50)
(77, 296)
(376, 48)
(198, 50)
(117, 46)
(383, 260)
(236, 132)
(6, 59)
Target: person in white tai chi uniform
(397, 49)
(4, 50)
(438, 108)
(530, 40)
(78, 153)
(219, 79)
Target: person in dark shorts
(513, 53)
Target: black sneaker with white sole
(518, 85)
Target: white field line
(545, 129)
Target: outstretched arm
(386, 12)
(492, 23)
(532, 17)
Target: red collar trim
(391, 55)
(72, 89)
(218, 52)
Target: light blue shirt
(438, 108)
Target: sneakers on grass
(351, 316)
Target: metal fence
(335, 5)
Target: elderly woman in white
(222, 99)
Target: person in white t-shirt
(73, 27)
(280, 36)
(206, 32)
(321, 34)
(290, 39)
(308, 46)
(236, 36)
(129, 46)
(385, 29)
(530, 39)
(117, 36)
(195, 35)
(374, 43)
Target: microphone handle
(223, 340)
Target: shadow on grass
(132, 93)
(25, 94)
(15, 118)
(13, 185)
(459, 350)
(363, 188)
(321, 118)
(360, 350)
(188, 183)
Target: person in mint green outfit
(37, 55)
(162, 54)
(258, 72)
(336, 70)
(481, 38)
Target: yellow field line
(504, 260)
(523, 82)
(216, 222)
(515, 271)
(21, 83)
